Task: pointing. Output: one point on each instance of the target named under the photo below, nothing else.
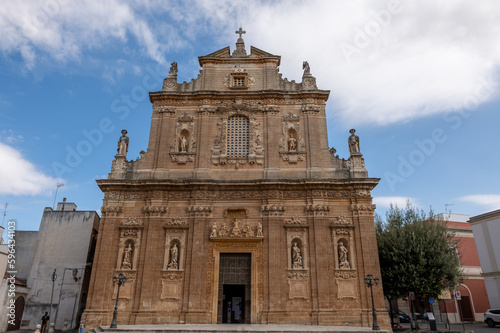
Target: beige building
(239, 211)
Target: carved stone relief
(363, 209)
(200, 211)
(111, 211)
(154, 211)
(237, 230)
(318, 210)
(272, 210)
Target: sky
(418, 80)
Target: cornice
(215, 95)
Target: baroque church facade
(239, 212)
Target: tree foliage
(417, 253)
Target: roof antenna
(448, 211)
(4, 213)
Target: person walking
(45, 320)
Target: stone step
(233, 328)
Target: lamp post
(369, 280)
(54, 278)
(120, 279)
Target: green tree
(417, 253)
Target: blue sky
(418, 80)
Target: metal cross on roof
(241, 32)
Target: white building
(486, 229)
(61, 264)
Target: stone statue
(302, 145)
(127, 256)
(236, 232)
(247, 231)
(296, 257)
(258, 141)
(292, 143)
(123, 144)
(259, 230)
(306, 68)
(224, 231)
(174, 257)
(353, 142)
(183, 142)
(343, 261)
(173, 68)
(213, 233)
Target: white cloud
(64, 29)
(385, 202)
(489, 201)
(405, 62)
(19, 176)
(10, 137)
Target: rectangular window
(239, 81)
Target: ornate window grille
(238, 137)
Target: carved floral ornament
(273, 210)
(296, 220)
(177, 221)
(340, 220)
(155, 210)
(298, 275)
(110, 211)
(172, 275)
(132, 221)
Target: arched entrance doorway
(19, 309)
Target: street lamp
(369, 280)
(54, 278)
(120, 279)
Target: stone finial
(240, 45)
(51, 328)
(38, 327)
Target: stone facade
(239, 211)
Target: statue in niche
(236, 232)
(259, 230)
(127, 257)
(174, 257)
(353, 142)
(183, 143)
(224, 231)
(292, 143)
(306, 68)
(213, 233)
(343, 261)
(173, 68)
(123, 144)
(247, 231)
(296, 257)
